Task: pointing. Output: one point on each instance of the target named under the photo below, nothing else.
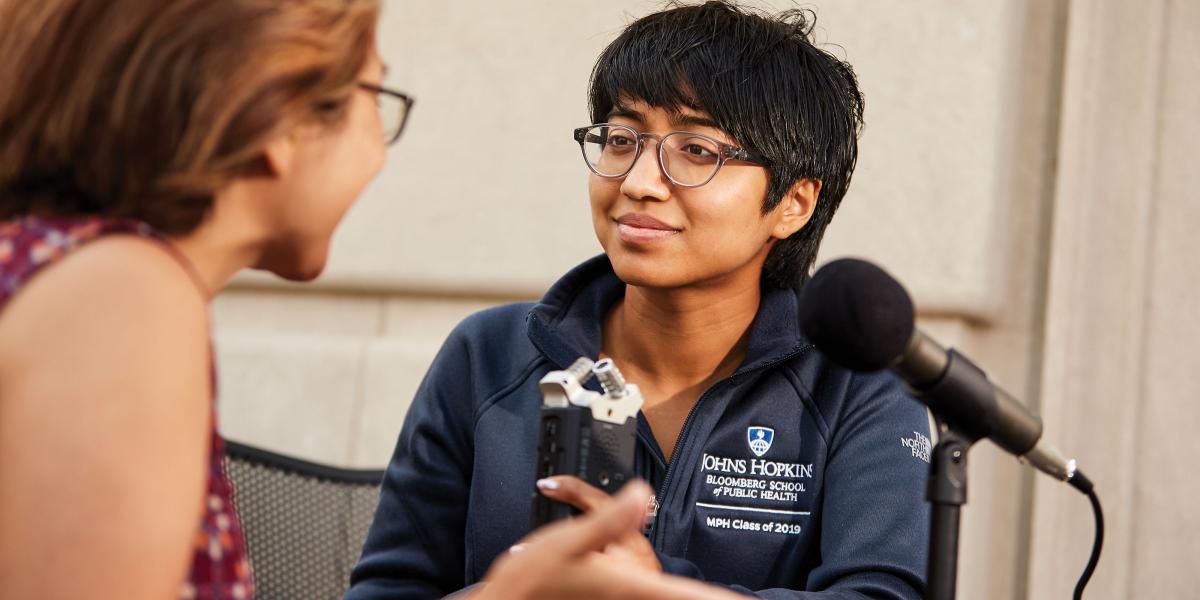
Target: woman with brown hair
(149, 151)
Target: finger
(564, 545)
(622, 514)
(634, 550)
(574, 491)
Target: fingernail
(517, 548)
(547, 484)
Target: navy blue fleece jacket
(792, 478)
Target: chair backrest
(304, 522)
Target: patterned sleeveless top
(220, 567)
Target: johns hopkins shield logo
(760, 439)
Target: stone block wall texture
(1025, 169)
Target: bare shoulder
(116, 287)
(120, 266)
(119, 314)
(105, 393)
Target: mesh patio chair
(304, 522)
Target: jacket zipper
(661, 496)
(656, 531)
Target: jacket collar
(566, 324)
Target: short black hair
(765, 83)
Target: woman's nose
(646, 180)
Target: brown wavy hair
(144, 109)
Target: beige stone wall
(1121, 377)
(1024, 170)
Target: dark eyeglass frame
(405, 100)
(727, 152)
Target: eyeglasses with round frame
(696, 157)
(394, 107)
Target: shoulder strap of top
(29, 244)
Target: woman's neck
(227, 241)
(682, 337)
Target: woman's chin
(295, 268)
(305, 276)
(642, 272)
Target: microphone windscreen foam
(857, 315)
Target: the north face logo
(760, 439)
(918, 444)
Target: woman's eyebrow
(677, 119)
(626, 112)
(684, 120)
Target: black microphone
(863, 319)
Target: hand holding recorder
(564, 560)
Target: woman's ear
(279, 155)
(796, 208)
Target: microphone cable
(1097, 544)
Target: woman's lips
(638, 228)
(642, 235)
